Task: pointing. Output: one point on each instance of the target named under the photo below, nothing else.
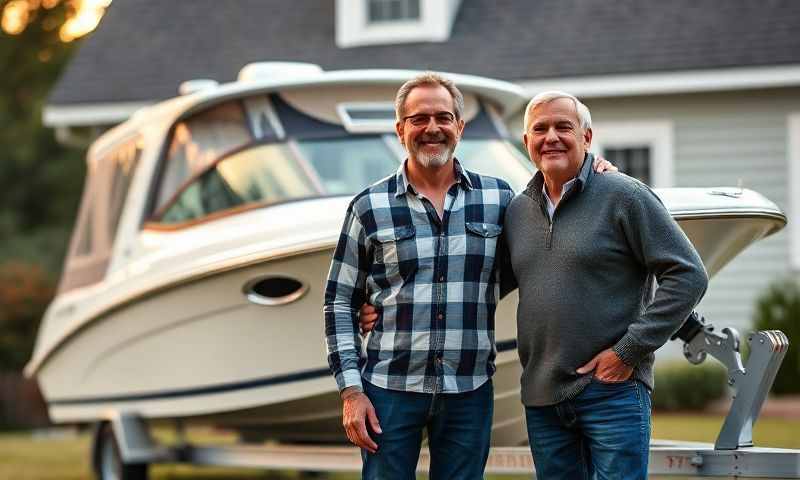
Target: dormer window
(387, 22)
(392, 10)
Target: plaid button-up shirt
(434, 282)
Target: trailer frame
(732, 455)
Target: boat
(194, 281)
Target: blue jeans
(458, 425)
(603, 433)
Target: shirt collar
(535, 187)
(566, 187)
(403, 185)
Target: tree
(40, 180)
(40, 183)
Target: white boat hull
(203, 351)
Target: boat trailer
(123, 446)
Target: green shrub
(778, 308)
(683, 386)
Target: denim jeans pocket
(628, 381)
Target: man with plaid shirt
(420, 246)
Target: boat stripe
(221, 388)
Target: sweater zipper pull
(550, 236)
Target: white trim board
(793, 151)
(90, 114)
(656, 134)
(684, 81)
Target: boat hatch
(367, 117)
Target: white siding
(794, 193)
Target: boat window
(348, 165)
(270, 173)
(123, 164)
(497, 158)
(84, 225)
(261, 174)
(199, 141)
(108, 179)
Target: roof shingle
(143, 49)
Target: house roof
(143, 49)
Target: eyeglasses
(423, 119)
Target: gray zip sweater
(586, 280)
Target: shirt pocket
(396, 253)
(481, 246)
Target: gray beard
(435, 160)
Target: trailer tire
(107, 460)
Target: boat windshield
(269, 173)
(497, 158)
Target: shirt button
(440, 316)
(441, 278)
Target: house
(683, 93)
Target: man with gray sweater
(585, 250)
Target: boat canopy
(261, 149)
(108, 177)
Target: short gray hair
(546, 97)
(423, 79)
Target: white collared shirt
(551, 207)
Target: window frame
(655, 134)
(626, 164)
(354, 29)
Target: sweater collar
(535, 186)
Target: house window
(391, 22)
(633, 161)
(392, 10)
(642, 149)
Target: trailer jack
(751, 382)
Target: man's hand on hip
(607, 367)
(367, 316)
(356, 411)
